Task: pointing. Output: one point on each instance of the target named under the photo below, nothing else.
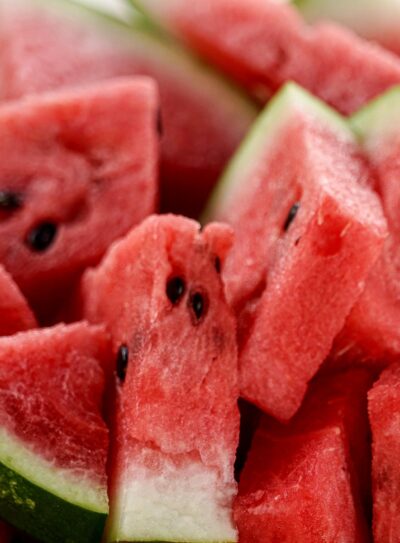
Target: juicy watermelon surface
(15, 314)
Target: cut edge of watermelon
(292, 97)
(66, 485)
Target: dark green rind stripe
(44, 515)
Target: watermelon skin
(324, 58)
(174, 450)
(371, 335)
(88, 153)
(384, 415)
(15, 314)
(53, 444)
(303, 481)
(197, 105)
(293, 288)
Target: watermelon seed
(122, 361)
(291, 215)
(42, 236)
(10, 200)
(198, 305)
(175, 289)
(217, 264)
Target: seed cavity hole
(217, 264)
(198, 305)
(42, 236)
(10, 200)
(175, 289)
(291, 216)
(122, 362)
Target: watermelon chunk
(307, 235)
(203, 118)
(53, 441)
(160, 293)
(88, 154)
(264, 43)
(372, 334)
(301, 481)
(384, 414)
(15, 314)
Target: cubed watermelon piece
(87, 155)
(15, 314)
(265, 43)
(302, 481)
(384, 414)
(372, 333)
(53, 440)
(203, 117)
(160, 293)
(307, 235)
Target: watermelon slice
(203, 118)
(87, 154)
(307, 234)
(300, 482)
(372, 333)
(177, 424)
(384, 414)
(376, 20)
(53, 441)
(15, 314)
(264, 43)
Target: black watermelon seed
(175, 289)
(198, 305)
(9, 201)
(217, 264)
(160, 124)
(42, 236)
(122, 361)
(291, 215)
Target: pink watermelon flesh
(264, 43)
(15, 314)
(302, 481)
(160, 294)
(292, 285)
(87, 154)
(384, 415)
(203, 120)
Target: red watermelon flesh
(265, 43)
(384, 414)
(160, 293)
(299, 476)
(293, 279)
(15, 314)
(203, 118)
(372, 334)
(87, 155)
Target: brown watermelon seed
(175, 289)
(42, 236)
(122, 361)
(217, 264)
(9, 200)
(198, 304)
(291, 215)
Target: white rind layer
(185, 503)
(73, 487)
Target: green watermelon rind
(275, 115)
(46, 501)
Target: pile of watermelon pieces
(200, 271)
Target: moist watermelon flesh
(264, 43)
(160, 293)
(15, 314)
(53, 441)
(203, 119)
(372, 334)
(307, 235)
(384, 415)
(302, 481)
(87, 154)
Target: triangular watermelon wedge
(87, 154)
(203, 117)
(160, 293)
(307, 235)
(265, 43)
(15, 314)
(53, 441)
